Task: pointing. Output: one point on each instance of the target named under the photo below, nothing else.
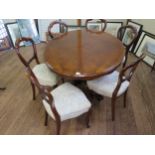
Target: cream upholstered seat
(44, 75)
(69, 101)
(63, 102)
(106, 85)
(115, 84)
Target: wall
(9, 20)
(74, 21)
(110, 20)
(43, 24)
(148, 24)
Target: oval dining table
(84, 55)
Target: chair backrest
(61, 27)
(100, 22)
(128, 35)
(44, 91)
(126, 73)
(34, 56)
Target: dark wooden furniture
(62, 27)
(115, 84)
(23, 60)
(41, 70)
(83, 55)
(52, 107)
(125, 75)
(139, 28)
(120, 35)
(99, 21)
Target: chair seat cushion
(106, 85)
(69, 101)
(44, 75)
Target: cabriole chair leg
(88, 119)
(33, 91)
(125, 95)
(46, 119)
(58, 127)
(113, 108)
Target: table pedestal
(91, 95)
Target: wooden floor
(19, 114)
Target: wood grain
(84, 55)
(19, 115)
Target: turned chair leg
(88, 119)
(46, 119)
(113, 108)
(125, 95)
(58, 127)
(33, 90)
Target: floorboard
(20, 115)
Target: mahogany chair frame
(47, 96)
(23, 60)
(62, 25)
(120, 35)
(125, 74)
(98, 21)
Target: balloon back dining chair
(45, 76)
(62, 103)
(128, 35)
(56, 29)
(115, 84)
(96, 25)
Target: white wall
(70, 21)
(74, 21)
(43, 26)
(9, 20)
(148, 24)
(110, 20)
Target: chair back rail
(98, 21)
(126, 74)
(23, 60)
(63, 28)
(120, 36)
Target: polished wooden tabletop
(84, 55)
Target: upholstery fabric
(44, 75)
(106, 85)
(69, 101)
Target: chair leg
(125, 95)
(113, 108)
(126, 59)
(58, 127)
(46, 119)
(33, 90)
(88, 119)
(153, 67)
